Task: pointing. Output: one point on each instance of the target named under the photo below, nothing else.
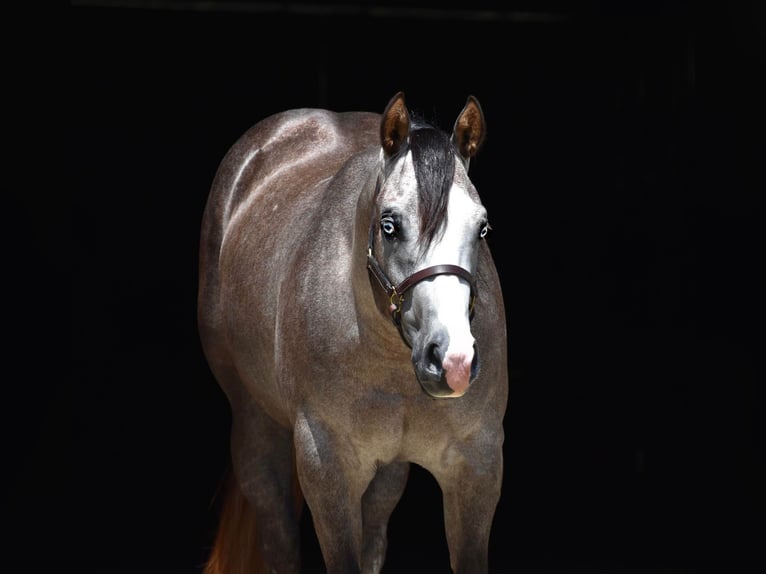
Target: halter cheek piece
(396, 292)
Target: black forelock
(434, 158)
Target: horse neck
(371, 301)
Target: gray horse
(350, 309)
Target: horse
(350, 309)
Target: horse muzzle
(445, 374)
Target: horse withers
(350, 309)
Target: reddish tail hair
(235, 549)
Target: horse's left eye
(484, 230)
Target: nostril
(475, 363)
(434, 353)
(435, 357)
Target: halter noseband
(396, 292)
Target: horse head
(426, 230)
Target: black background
(623, 176)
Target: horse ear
(470, 130)
(395, 125)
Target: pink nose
(457, 370)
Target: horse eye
(484, 230)
(388, 226)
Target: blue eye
(388, 226)
(484, 230)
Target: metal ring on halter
(397, 306)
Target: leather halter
(396, 292)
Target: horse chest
(390, 426)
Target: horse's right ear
(395, 125)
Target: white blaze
(452, 294)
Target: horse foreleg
(378, 503)
(471, 491)
(333, 481)
(263, 463)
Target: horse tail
(235, 550)
(235, 547)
